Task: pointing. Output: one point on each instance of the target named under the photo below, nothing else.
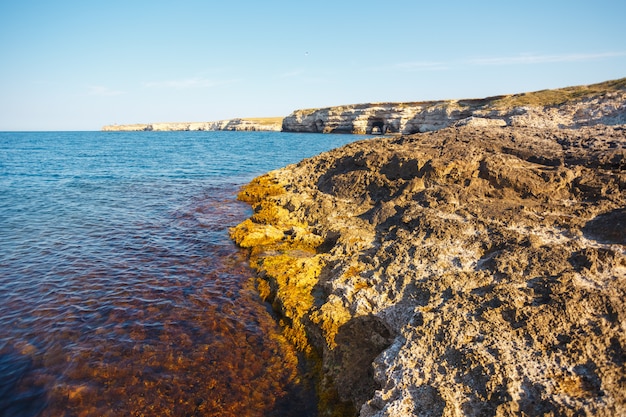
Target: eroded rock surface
(471, 271)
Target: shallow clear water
(120, 292)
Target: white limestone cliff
(409, 118)
(267, 124)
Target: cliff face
(259, 124)
(476, 270)
(565, 108)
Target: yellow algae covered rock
(291, 280)
(249, 234)
(330, 317)
(260, 188)
(284, 255)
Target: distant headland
(238, 124)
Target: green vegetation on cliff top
(558, 96)
(264, 120)
(553, 97)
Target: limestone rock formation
(570, 107)
(477, 270)
(258, 124)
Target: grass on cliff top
(558, 96)
(537, 98)
(264, 120)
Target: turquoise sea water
(120, 292)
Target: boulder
(475, 270)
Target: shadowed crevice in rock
(608, 227)
(359, 342)
(428, 401)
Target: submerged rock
(476, 270)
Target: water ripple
(120, 292)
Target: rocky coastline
(571, 107)
(273, 124)
(479, 269)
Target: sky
(80, 65)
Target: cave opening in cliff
(319, 125)
(378, 128)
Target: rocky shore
(471, 271)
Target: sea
(121, 293)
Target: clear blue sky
(78, 65)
